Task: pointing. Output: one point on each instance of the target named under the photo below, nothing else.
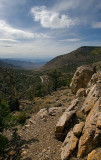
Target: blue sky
(48, 28)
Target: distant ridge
(21, 64)
(80, 56)
(5, 65)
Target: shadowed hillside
(74, 59)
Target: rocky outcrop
(94, 79)
(65, 118)
(95, 154)
(71, 141)
(91, 133)
(81, 93)
(81, 78)
(85, 136)
(68, 145)
(93, 95)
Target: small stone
(23, 153)
(12, 153)
(27, 126)
(44, 150)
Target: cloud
(96, 25)
(51, 19)
(70, 40)
(8, 32)
(8, 40)
(66, 5)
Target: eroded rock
(81, 78)
(81, 93)
(91, 133)
(78, 129)
(96, 77)
(93, 95)
(42, 113)
(68, 145)
(54, 110)
(65, 118)
(95, 154)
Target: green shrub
(14, 134)
(3, 142)
(6, 121)
(4, 115)
(21, 117)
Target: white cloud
(8, 32)
(8, 40)
(71, 40)
(96, 25)
(51, 19)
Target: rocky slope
(84, 135)
(36, 139)
(66, 126)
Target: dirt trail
(36, 139)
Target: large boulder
(68, 145)
(65, 118)
(81, 78)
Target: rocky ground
(36, 139)
(65, 127)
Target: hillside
(63, 125)
(73, 59)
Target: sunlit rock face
(81, 78)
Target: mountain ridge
(80, 55)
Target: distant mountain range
(67, 62)
(26, 64)
(74, 59)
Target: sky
(48, 28)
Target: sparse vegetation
(21, 117)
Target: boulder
(92, 131)
(55, 110)
(78, 129)
(42, 113)
(65, 118)
(81, 78)
(68, 145)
